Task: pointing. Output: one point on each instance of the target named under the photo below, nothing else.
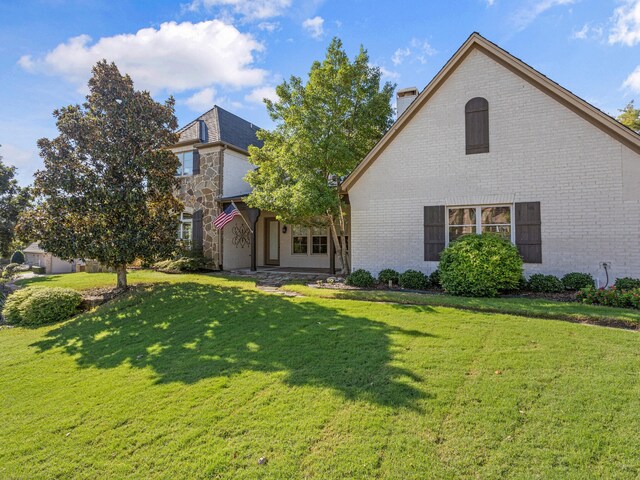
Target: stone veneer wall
(199, 192)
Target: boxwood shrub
(388, 275)
(414, 280)
(627, 283)
(480, 266)
(545, 283)
(33, 306)
(360, 278)
(577, 281)
(434, 279)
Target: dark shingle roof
(223, 126)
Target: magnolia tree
(107, 188)
(324, 128)
(13, 200)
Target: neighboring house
(36, 256)
(213, 151)
(492, 145)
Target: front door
(272, 242)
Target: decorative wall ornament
(241, 236)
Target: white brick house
(566, 174)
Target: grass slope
(201, 376)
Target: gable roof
(477, 42)
(222, 126)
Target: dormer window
(476, 113)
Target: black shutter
(477, 125)
(197, 232)
(434, 234)
(528, 231)
(196, 162)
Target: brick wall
(587, 182)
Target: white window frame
(478, 209)
(184, 221)
(311, 235)
(293, 252)
(180, 172)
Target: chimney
(404, 97)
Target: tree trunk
(343, 233)
(339, 245)
(121, 271)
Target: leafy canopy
(13, 200)
(324, 128)
(630, 117)
(106, 191)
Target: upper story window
(481, 219)
(186, 163)
(476, 113)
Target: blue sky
(233, 52)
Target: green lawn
(200, 376)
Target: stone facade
(199, 192)
(587, 182)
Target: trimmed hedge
(434, 279)
(34, 306)
(414, 280)
(360, 278)
(480, 266)
(578, 281)
(545, 283)
(388, 275)
(627, 283)
(610, 297)
(185, 263)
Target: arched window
(476, 113)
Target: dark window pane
(319, 245)
(503, 231)
(300, 244)
(496, 215)
(456, 232)
(462, 216)
(187, 163)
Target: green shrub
(611, 297)
(11, 268)
(414, 280)
(183, 263)
(17, 257)
(360, 278)
(627, 283)
(480, 265)
(545, 283)
(39, 270)
(388, 275)
(434, 279)
(578, 281)
(41, 305)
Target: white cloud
(26, 161)
(269, 26)
(391, 75)
(258, 95)
(586, 32)
(533, 9)
(248, 9)
(491, 3)
(418, 50)
(202, 100)
(626, 28)
(175, 57)
(314, 26)
(633, 81)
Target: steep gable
(477, 43)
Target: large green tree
(324, 128)
(630, 116)
(107, 188)
(13, 200)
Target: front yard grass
(200, 376)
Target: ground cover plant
(202, 376)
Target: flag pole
(241, 215)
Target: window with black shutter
(477, 125)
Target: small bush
(480, 265)
(577, 281)
(360, 278)
(39, 270)
(611, 297)
(41, 305)
(183, 263)
(434, 279)
(414, 280)
(545, 283)
(627, 283)
(12, 267)
(17, 257)
(388, 275)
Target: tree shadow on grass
(189, 331)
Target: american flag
(226, 216)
